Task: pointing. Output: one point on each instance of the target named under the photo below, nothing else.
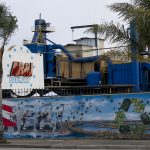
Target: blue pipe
(82, 59)
(69, 55)
(134, 53)
(87, 59)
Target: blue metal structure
(134, 55)
(40, 26)
(93, 75)
(135, 73)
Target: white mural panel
(22, 69)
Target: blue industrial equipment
(93, 78)
(122, 73)
(134, 73)
(39, 35)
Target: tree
(139, 12)
(8, 24)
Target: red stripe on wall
(7, 108)
(8, 123)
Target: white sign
(22, 69)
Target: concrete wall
(103, 116)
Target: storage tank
(93, 78)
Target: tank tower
(39, 45)
(40, 30)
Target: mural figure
(15, 68)
(28, 67)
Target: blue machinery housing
(135, 73)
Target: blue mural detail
(103, 116)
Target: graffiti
(104, 116)
(21, 69)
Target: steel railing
(68, 91)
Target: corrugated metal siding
(122, 74)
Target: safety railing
(54, 91)
(39, 28)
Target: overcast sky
(62, 14)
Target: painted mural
(104, 116)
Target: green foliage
(139, 11)
(139, 107)
(120, 117)
(138, 129)
(113, 32)
(8, 24)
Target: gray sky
(62, 14)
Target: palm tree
(137, 11)
(8, 24)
